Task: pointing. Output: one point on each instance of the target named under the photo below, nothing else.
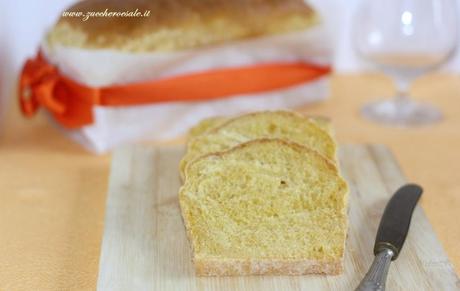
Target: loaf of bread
(267, 206)
(173, 25)
(267, 124)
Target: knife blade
(391, 235)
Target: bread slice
(210, 123)
(267, 206)
(205, 125)
(265, 124)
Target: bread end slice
(210, 123)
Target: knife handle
(377, 275)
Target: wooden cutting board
(145, 246)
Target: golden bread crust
(178, 24)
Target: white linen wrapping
(114, 126)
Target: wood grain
(145, 247)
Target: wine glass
(405, 39)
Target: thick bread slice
(265, 124)
(206, 124)
(267, 206)
(210, 123)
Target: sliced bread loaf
(267, 206)
(266, 124)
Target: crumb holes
(283, 183)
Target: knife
(391, 235)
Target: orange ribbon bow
(41, 84)
(71, 103)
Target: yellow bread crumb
(267, 206)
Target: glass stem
(402, 90)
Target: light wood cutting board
(145, 246)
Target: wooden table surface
(52, 192)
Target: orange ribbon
(71, 103)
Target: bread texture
(174, 25)
(266, 124)
(268, 206)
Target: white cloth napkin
(117, 125)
